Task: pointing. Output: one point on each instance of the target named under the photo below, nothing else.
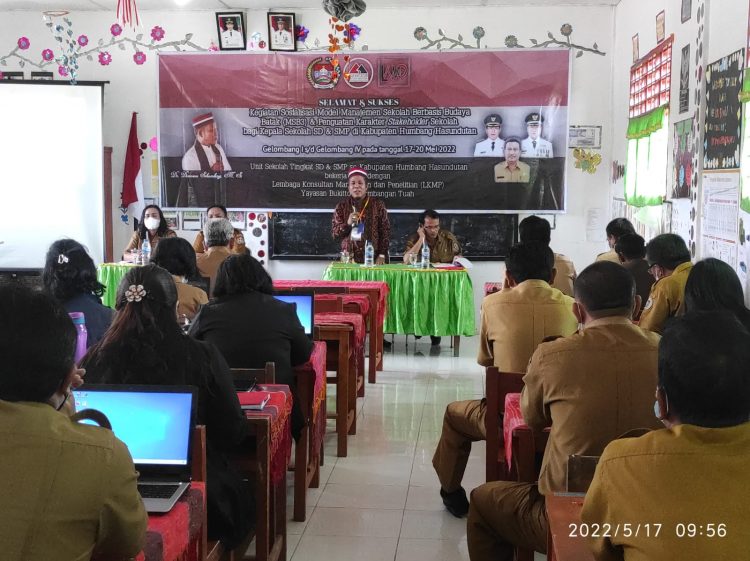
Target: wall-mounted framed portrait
(281, 31)
(231, 29)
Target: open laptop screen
(305, 307)
(154, 425)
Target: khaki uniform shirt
(565, 274)
(442, 249)
(610, 255)
(238, 247)
(189, 298)
(516, 320)
(68, 490)
(673, 477)
(210, 261)
(591, 388)
(136, 242)
(503, 174)
(666, 299)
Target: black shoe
(456, 502)
(386, 344)
(435, 340)
(417, 337)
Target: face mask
(151, 223)
(657, 410)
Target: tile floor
(382, 503)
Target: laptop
(155, 423)
(304, 302)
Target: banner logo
(358, 73)
(394, 72)
(322, 73)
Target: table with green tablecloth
(110, 275)
(421, 301)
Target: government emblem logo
(322, 73)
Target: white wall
(133, 88)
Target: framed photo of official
(281, 32)
(230, 27)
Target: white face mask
(151, 223)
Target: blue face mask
(657, 410)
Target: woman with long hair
(152, 224)
(145, 345)
(713, 285)
(177, 256)
(69, 276)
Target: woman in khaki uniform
(154, 225)
(176, 256)
(219, 211)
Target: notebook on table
(304, 303)
(155, 423)
(253, 400)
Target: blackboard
(307, 235)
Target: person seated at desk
(713, 285)
(145, 345)
(70, 277)
(631, 251)
(615, 228)
(69, 489)
(219, 236)
(590, 387)
(514, 322)
(219, 211)
(361, 218)
(690, 478)
(152, 224)
(537, 229)
(669, 263)
(176, 256)
(250, 327)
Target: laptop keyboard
(149, 491)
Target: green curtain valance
(644, 125)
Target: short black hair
(429, 213)
(534, 229)
(605, 286)
(667, 250)
(37, 344)
(513, 139)
(222, 207)
(177, 256)
(531, 260)
(631, 246)
(240, 274)
(713, 285)
(70, 271)
(703, 358)
(619, 227)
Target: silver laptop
(155, 423)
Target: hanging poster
(683, 148)
(721, 139)
(720, 216)
(685, 79)
(477, 131)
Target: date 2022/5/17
(646, 530)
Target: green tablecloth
(422, 302)
(110, 275)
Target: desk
(421, 301)
(176, 535)
(110, 275)
(563, 510)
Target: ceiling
(109, 5)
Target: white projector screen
(51, 185)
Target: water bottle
(369, 255)
(79, 320)
(146, 250)
(425, 255)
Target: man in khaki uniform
(616, 228)
(590, 387)
(512, 170)
(218, 235)
(442, 243)
(68, 490)
(690, 478)
(514, 322)
(536, 229)
(219, 211)
(669, 262)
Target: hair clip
(135, 293)
(62, 258)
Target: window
(650, 80)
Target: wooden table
(562, 510)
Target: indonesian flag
(132, 182)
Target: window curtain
(646, 169)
